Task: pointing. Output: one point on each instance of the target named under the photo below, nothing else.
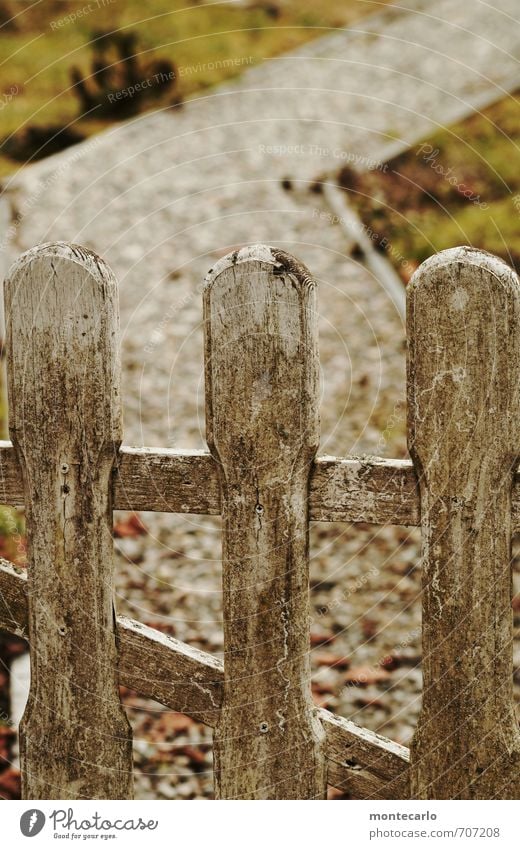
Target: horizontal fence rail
(67, 468)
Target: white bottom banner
(233, 825)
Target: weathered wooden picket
(67, 467)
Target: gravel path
(164, 195)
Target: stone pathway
(160, 198)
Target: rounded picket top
(282, 263)
(261, 299)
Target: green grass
(36, 54)
(419, 202)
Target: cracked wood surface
(261, 362)
(341, 489)
(183, 678)
(65, 425)
(464, 436)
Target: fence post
(65, 424)
(464, 438)
(263, 430)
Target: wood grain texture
(66, 465)
(364, 489)
(65, 425)
(171, 672)
(365, 764)
(155, 665)
(167, 481)
(182, 678)
(261, 367)
(14, 616)
(342, 489)
(464, 436)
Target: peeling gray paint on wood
(183, 678)
(341, 489)
(464, 437)
(65, 425)
(365, 764)
(261, 364)
(262, 424)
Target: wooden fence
(67, 467)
